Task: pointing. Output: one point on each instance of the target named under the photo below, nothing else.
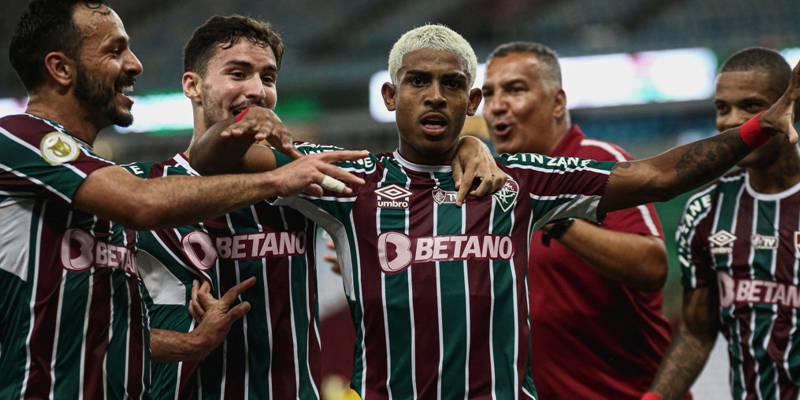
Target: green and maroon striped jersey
(72, 321)
(746, 245)
(438, 293)
(273, 352)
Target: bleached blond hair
(434, 36)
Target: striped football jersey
(72, 321)
(271, 353)
(438, 293)
(747, 244)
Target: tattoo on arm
(705, 159)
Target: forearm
(213, 154)
(676, 171)
(681, 365)
(169, 346)
(637, 261)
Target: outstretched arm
(686, 167)
(690, 347)
(146, 204)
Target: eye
(752, 108)
(418, 81)
(517, 89)
(237, 74)
(721, 108)
(487, 93)
(268, 80)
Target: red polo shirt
(593, 338)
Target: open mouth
(434, 124)
(126, 90)
(501, 129)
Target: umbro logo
(722, 242)
(393, 196)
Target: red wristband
(242, 113)
(651, 396)
(752, 134)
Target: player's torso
(754, 244)
(72, 321)
(439, 290)
(273, 351)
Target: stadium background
(635, 94)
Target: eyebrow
(247, 64)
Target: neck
(426, 157)
(778, 176)
(66, 111)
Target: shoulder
(24, 129)
(601, 151)
(365, 165)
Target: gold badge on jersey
(58, 148)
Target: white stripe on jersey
(268, 316)
(15, 236)
(34, 287)
(558, 171)
(38, 182)
(39, 152)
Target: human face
(521, 108)
(739, 96)
(432, 98)
(237, 76)
(107, 68)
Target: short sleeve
(35, 160)
(559, 187)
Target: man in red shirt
(596, 322)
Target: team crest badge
(507, 195)
(441, 196)
(58, 148)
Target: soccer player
(438, 292)
(231, 63)
(72, 322)
(594, 289)
(738, 245)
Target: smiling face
(106, 67)
(520, 108)
(432, 99)
(237, 75)
(739, 96)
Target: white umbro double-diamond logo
(393, 192)
(722, 238)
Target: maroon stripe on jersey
(519, 234)
(45, 309)
(560, 182)
(235, 357)
(97, 333)
(136, 346)
(480, 306)
(188, 385)
(284, 381)
(424, 289)
(374, 334)
(786, 387)
(740, 261)
(784, 273)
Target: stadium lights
(612, 79)
(590, 81)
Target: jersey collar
(420, 167)
(570, 142)
(769, 197)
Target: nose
(133, 66)
(733, 119)
(254, 90)
(495, 105)
(434, 97)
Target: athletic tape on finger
(332, 184)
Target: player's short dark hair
(225, 32)
(764, 60)
(46, 26)
(543, 54)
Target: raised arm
(146, 204)
(690, 347)
(686, 167)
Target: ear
(560, 106)
(192, 83)
(61, 68)
(388, 91)
(475, 97)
